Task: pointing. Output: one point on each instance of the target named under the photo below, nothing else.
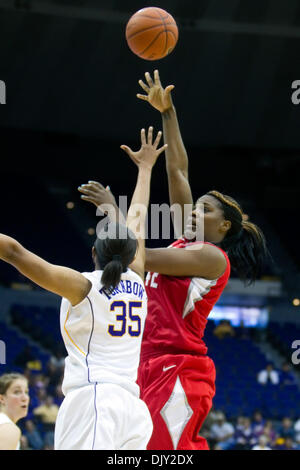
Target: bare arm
(137, 216)
(176, 155)
(57, 279)
(145, 158)
(95, 193)
(205, 261)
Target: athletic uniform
(102, 335)
(176, 377)
(4, 419)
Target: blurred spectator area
(282, 336)
(238, 361)
(15, 346)
(39, 323)
(40, 224)
(237, 357)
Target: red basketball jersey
(178, 308)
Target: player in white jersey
(102, 322)
(14, 401)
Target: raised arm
(176, 155)
(57, 279)
(145, 159)
(101, 197)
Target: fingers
(86, 192)
(151, 84)
(91, 190)
(142, 97)
(149, 79)
(143, 137)
(88, 199)
(156, 78)
(169, 88)
(92, 184)
(150, 135)
(130, 153)
(162, 149)
(157, 140)
(126, 149)
(144, 86)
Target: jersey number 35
(129, 323)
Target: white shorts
(102, 416)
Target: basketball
(151, 33)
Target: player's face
(16, 400)
(207, 217)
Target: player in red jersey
(176, 377)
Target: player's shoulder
(197, 245)
(95, 279)
(213, 257)
(10, 427)
(10, 435)
(209, 249)
(131, 275)
(93, 276)
(4, 418)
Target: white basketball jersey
(103, 334)
(4, 419)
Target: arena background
(71, 84)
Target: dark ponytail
(111, 275)
(115, 248)
(244, 243)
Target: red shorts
(178, 390)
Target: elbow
(177, 173)
(13, 253)
(10, 249)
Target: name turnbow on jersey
(103, 334)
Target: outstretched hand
(159, 97)
(97, 194)
(147, 155)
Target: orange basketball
(151, 33)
